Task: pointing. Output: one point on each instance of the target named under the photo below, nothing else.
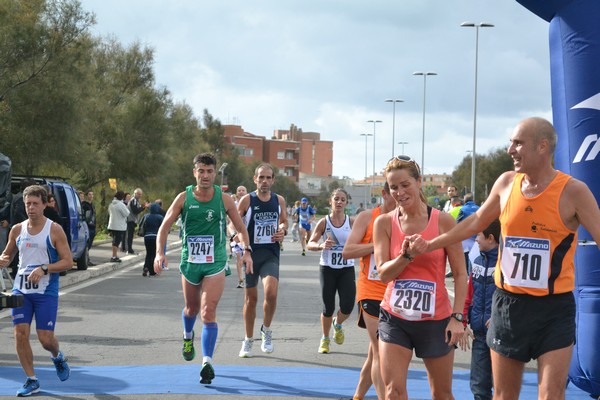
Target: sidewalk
(101, 252)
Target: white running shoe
(266, 346)
(246, 351)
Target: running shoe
(266, 346)
(30, 387)
(115, 259)
(303, 252)
(240, 285)
(207, 374)
(62, 368)
(246, 351)
(338, 333)
(188, 350)
(324, 347)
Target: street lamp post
(375, 122)
(402, 143)
(394, 101)
(222, 172)
(470, 152)
(424, 75)
(474, 153)
(366, 135)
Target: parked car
(70, 212)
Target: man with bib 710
(533, 308)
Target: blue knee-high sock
(209, 338)
(188, 322)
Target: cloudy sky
(328, 65)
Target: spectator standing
(43, 252)
(5, 200)
(161, 210)
(336, 273)
(456, 206)
(51, 211)
(89, 213)
(5, 205)
(117, 223)
(478, 308)
(360, 208)
(150, 223)
(126, 200)
(452, 192)
(135, 209)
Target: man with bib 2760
(266, 216)
(204, 209)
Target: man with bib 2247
(204, 209)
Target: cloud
(328, 66)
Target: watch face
(458, 317)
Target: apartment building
(301, 156)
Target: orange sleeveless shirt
(419, 292)
(369, 286)
(537, 251)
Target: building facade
(296, 154)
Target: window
(249, 152)
(280, 155)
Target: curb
(73, 277)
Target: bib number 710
(530, 266)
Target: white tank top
(333, 257)
(35, 250)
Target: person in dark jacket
(469, 207)
(150, 224)
(50, 211)
(478, 307)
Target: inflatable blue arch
(575, 75)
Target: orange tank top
(369, 286)
(537, 251)
(419, 292)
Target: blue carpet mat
(232, 380)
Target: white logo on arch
(591, 144)
(593, 103)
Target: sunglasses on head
(405, 159)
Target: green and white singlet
(204, 236)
